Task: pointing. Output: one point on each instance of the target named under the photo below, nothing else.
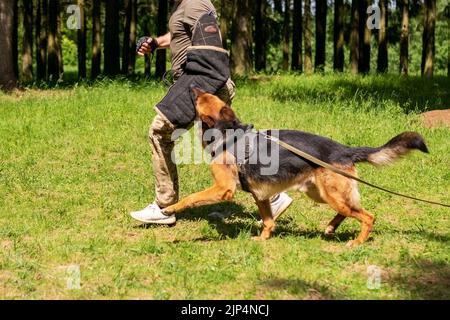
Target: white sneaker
(280, 204)
(152, 214)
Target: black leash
(343, 173)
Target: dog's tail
(392, 150)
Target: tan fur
(341, 194)
(387, 156)
(263, 191)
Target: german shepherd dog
(322, 185)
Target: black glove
(153, 44)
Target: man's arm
(162, 42)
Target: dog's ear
(227, 114)
(208, 120)
(197, 91)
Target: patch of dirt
(436, 118)
(313, 294)
(6, 244)
(5, 276)
(423, 279)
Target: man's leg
(165, 172)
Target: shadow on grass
(286, 227)
(427, 235)
(421, 235)
(410, 93)
(309, 290)
(239, 221)
(423, 279)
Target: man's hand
(146, 45)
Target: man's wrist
(154, 44)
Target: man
(197, 59)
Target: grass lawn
(74, 161)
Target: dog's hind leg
(364, 217)
(334, 224)
(265, 212)
(342, 195)
(367, 220)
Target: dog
(320, 184)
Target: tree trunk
(81, 39)
(308, 37)
(447, 15)
(112, 43)
(297, 31)
(133, 37)
(162, 29)
(260, 35)
(53, 63)
(96, 39)
(286, 34)
(59, 44)
(148, 65)
(8, 79)
(27, 42)
(129, 38)
(225, 21)
(278, 6)
(382, 61)
(364, 38)
(338, 36)
(37, 26)
(354, 37)
(126, 37)
(404, 37)
(41, 39)
(241, 59)
(428, 38)
(15, 39)
(321, 25)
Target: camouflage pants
(161, 144)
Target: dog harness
(243, 145)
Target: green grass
(75, 161)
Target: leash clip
(268, 137)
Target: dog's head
(213, 112)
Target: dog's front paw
(265, 234)
(258, 238)
(169, 210)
